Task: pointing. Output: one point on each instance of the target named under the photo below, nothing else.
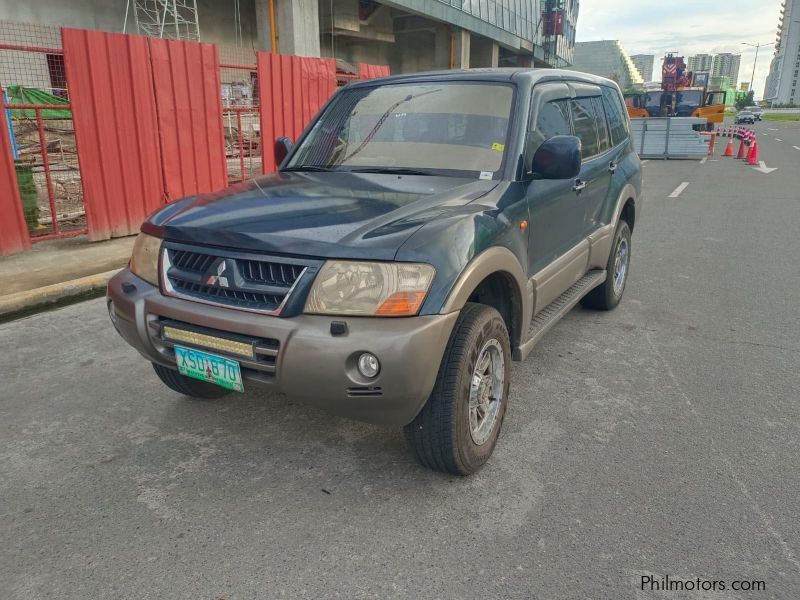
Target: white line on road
(704, 160)
(679, 190)
(778, 140)
(644, 162)
(796, 147)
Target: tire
(447, 435)
(608, 295)
(194, 388)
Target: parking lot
(660, 439)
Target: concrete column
(484, 53)
(441, 47)
(298, 27)
(262, 25)
(461, 45)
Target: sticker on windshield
(499, 147)
(486, 175)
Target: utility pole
(755, 62)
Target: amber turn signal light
(401, 304)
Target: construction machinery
(681, 94)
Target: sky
(701, 26)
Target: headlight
(370, 289)
(144, 260)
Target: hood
(345, 215)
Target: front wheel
(608, 295)
(456, 431)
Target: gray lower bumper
(312, 365)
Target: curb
(40, 298)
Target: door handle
(579, 186)
(612, 166)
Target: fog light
(368, 365)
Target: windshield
(687, 101)
(433, 128)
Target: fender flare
(628, 192)
(496, 259)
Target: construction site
(38, 109)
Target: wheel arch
(495, 278)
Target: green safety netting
(18, 94)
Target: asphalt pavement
(660, 439)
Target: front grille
(246, 282)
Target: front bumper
(311, 364)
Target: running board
(553, 312)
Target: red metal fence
(13, 229)
(110, 78)
(187, 87)
(292, 90)
(367, 71)
(37, 112)
(137, 122)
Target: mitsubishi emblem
(218, 279)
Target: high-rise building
(727, 65)
(607, 58)
(700, 62)
(781, 87)
(644, 63)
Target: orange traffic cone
(741, 153)
(729, 148)
(753, 158)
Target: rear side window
(552, 120)
(617, 121)
(584, 120)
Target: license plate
(209, 367)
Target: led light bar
(208, 341)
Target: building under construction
(408, 35)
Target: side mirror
(557, 158)
(283, 145)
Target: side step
(553, 312)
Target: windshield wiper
(393, 170)
(309, 168)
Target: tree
(743, 100)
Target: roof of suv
(527, 75)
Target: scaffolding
(170, 19)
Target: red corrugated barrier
(292, 89)
(367, 71)
(116, 128)
(187, 88)
(13, 230)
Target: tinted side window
(617, 121)
(552, 119)
(604, 143)
(583, 120)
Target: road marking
(778, 140)
(679, 190)
(704, 160)
(644, 162)
(763, 168)
(796, 147)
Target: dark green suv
(425, 231)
